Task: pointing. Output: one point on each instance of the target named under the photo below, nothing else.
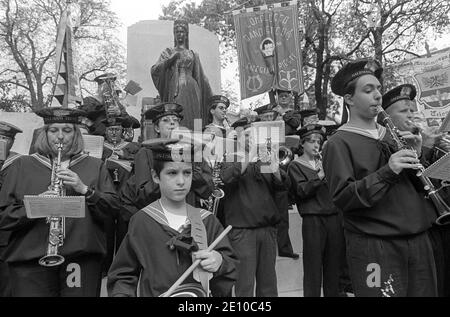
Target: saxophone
(442, 209)
(217, 193)
(56, 232)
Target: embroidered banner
(431, 76)
(268, 49)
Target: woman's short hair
(309, 138)
(42, 146)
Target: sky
(132, 11)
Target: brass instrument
(56, 233)
(285, 156)
(443, 210)
(109, 94)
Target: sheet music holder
(445, 126)
(262, 130)
(58, 206)
(439, 169)
(268, 135)
(3, 150)
(93, 145)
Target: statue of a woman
(179, 77)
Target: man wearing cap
(84, 245)
(322, 232)
(386, 218)
(8, 133)
(286, 112)
(104, 104)
(217, 118)
(118, 156)
(140, 190)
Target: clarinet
(442, 209)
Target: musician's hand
(210, 261)
(413, 140)
(72, 180)
(403, 159)
(119, 153)
(429, 137)
(280, 110)
(321, 174)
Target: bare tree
(28, 32)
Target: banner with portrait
(268, 46)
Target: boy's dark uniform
(10, 131)
(385, 218)
(322, 232)
(282, 198)
(438, 234)
(154, 255)
(120, 168)
(250, 207)
(147, 248)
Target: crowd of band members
(353, 202)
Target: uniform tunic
(250, 207)
(292, 119)
(145, 253)
(120, 169)
(30, 175)
(386, 218)
(5, 290)
(322, 232)
(374, 199)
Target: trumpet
(285, 156)
(57, 230)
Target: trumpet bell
(443, 219)
(285, 156)
(51, 260)
(188, 290)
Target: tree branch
(400, 50)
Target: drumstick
(195, 264)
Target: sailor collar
(364, 132)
